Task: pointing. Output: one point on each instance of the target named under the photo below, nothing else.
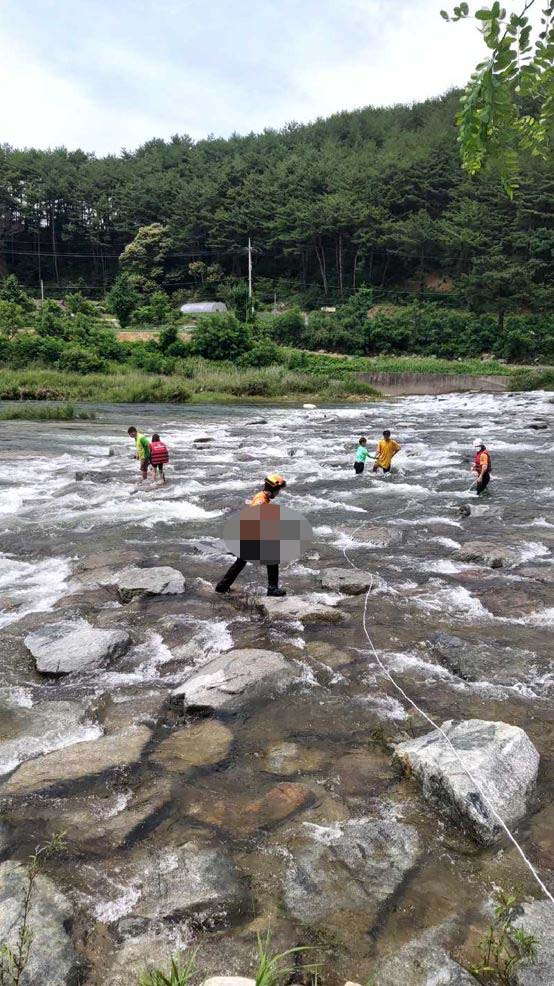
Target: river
(322, 745)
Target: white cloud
(110, 76)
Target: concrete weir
(400, 384)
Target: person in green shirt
(360, 457)
(142, 450)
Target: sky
(104, 75)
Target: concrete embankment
(399, 384)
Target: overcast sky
(108, 74)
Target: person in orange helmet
(273, 485)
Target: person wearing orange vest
(482, 465)
(273, 485)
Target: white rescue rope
(432, 723)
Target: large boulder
(422, 962)
(186, 881)
(51, 956)
(501, 759)
(60, 648)
(234, 678)
(537, 920)
(198, 745)
(487, 553)
(41, 729)
(348, 580)
(299, 608)
(351, 866)
(160, 581)
(78, 761)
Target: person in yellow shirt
(386, 451)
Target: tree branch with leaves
(507, 109)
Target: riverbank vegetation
(34, 412)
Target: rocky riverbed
(221, 765)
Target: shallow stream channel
(207, 796)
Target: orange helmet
(274, 481)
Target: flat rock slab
(537, 920)
(501, 758)
(348, 580)
(234, 678)
(299, 608)
(93, 476)
(422, 963)
(483, 661)
(61, 648)
(487, 553)
(187, 881)
(78, 761)
(243, 819)
(376, 537)
(160, 581)
(200, 745)
(351, 866)
(40, 729)
(288, 759)
(51, 957)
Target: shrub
(288, 327)
(77, 304)
(122, 299)
(264, 352)
(12, 317)
(221, 337)
(77, 359)
(53, 321)
(11, 291)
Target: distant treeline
(374, 197)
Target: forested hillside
(374, 197)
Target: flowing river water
(319, 752)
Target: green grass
(32, 412)
(323, 363)
(526, 379)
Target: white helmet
(479, 443)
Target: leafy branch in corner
(507, 108)
(504, 947)
(14, 958)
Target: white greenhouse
(203, 308)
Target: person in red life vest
(482, 465)
(158, 457)
(273, 485)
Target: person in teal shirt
(361, 455)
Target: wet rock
(78, 761)
(508, 601)
(352, 866)
(465, 510)
(198, 745)
(487, 553)
(536, 920)
(257, 421)
(334, 657)
(539, 573)
(118, 450)
(142, 954)
(109, 559)
(488, 661)
(51, 957)
(187, 881)
(61, 648)
(163, 581)
(234, 678)
(242, 818)
(229, 981)
(537, 425)
(348, 580)
(44, 727)
(288, 759)
(422, 963)
(203, 441)
(93, 476)
(299, 608)
(362, 770)
(377, 537)
(500, 757)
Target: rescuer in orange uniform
(273, 485)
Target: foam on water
(31, 587)
(453, 601)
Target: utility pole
(42, 290)
(249, 277)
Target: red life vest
(478, 460)
(158, 453)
